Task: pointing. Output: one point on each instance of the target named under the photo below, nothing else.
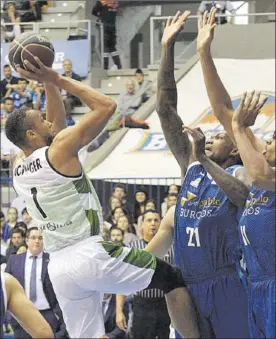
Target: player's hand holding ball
(32, 56)
(41, 74)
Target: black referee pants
(151, 319)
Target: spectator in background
(221, 6)
(17, 238)
(112, 331)
(141, 196)
(106, 11)
(70, 101)
(31, 270)
(150, 315)
(115, 215)
(7, 108)
(22, 226)
(150, 205)
(11, 17)
(22, 249)
(123, 224)
(33, 11)
(19, 203)
(8, 80)
(27, 219)
(69, 120)
(39, 98)
(21, 95)
(116, 234)
(144, 86)
(4, 228)
(119, 192)
(172, 200)
(12, 217)
(171, 189)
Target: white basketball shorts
(81, 272)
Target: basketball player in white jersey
(62, 201)
(13, 299)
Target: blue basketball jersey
(257, 233)
(206, 234)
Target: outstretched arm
(219, 97)
(163, 239)
(258, 169)
(24, 311)
(166, 105)
(234, 187)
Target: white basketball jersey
(67, 209)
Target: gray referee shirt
(153, 292)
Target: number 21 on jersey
(193, 236)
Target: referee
(150, 315)
(106, 11)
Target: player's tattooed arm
(219, 97)
(235, 189)
(258, 169)
(166, 105)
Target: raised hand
(206, 27)
(41, 74)
(173, 27)
(199, 140)
(250, 106)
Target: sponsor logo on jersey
(53, 226)
(251, 208)
(190, 196)
(32, 167)
(195, 183)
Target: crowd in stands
(19, 11)
(130, 224)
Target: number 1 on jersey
(194, 236)
(34, 194)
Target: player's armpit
(163, 240)
(25, 312)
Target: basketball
(28, 46)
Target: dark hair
(110, 200)
(17, 230)
(30, 230)
(113, 212)
(6, 99)
(13, 208)
(274, 135)
(2, 215)
(6, 66)
(151, 200)
(117, 229)
(122, 186)
(17, 125)
(24, 211)
(21, 224)
(137, 209)
(149, 211)
(139, 71)
(172, 195)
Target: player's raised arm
(71, 140)
(163, 240)
(219, 97)
(24, 311)
(260, 170)
(166, 105)
(55, 110)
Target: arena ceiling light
(65, 4)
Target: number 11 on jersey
(194, 236)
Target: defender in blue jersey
(206, 238)
(13, 299)
(257, 224)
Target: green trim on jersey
(141, 259)
(113, 249)
(93, 219)
(83, 185)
